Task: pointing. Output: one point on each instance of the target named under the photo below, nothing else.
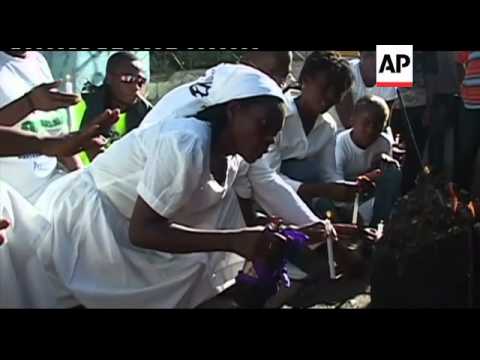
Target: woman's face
(254, 126)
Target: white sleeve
(386, 146)
(274, 160)
(389, 148)
(242, 186)
(340, 157)
(328, 163)
(173, 171)
(276, 197)
(294, 184)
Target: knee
(391, 175)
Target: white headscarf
(219, 85)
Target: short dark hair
(379, 106)
(118, 58)
(331, 62)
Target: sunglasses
(132, 79)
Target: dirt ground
(324, 294)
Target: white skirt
(92, 262)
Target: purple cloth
(270, 276)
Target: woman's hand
(47, 97)
(4, 224)
(88, 139)
(260, 243)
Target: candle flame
(471, 207)
(454, 197)
(329, 215)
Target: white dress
(88, 252)
(23, 283)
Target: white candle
(331, 260)
(68, 84)
(355, 209)
(380, 228)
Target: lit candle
(329, 230)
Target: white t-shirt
(359, 88)
(352, 160)
(295, 144)
(29, 174)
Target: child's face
(321, 93)
(366, 127)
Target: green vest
(78, 122)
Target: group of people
(107, 201)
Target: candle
(331, 260)
(355, 209)
(68, 84)
(380, 228)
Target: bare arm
(45, 97)
(335, 192)
(16, 143)
(16, 111)
(150, 230)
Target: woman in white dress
(155, 221)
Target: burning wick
(471, 207)
(355, 209)
(330, 230)
(454, 197)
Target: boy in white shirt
(364, 75)
(365, 151)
